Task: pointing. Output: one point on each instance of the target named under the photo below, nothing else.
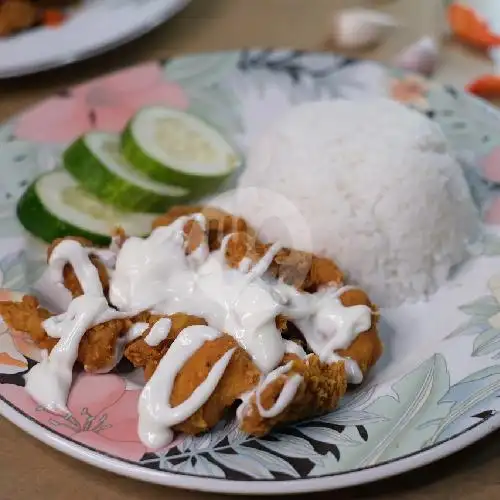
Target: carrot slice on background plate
(470, 27)
(486, 86)
(52, 17)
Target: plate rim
(63, 59)
(332, 482)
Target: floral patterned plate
(111, 22)
(437, 387)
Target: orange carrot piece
(471, 28)
(52, 17)
(486, 86)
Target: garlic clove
(421, 57)
(358, 28)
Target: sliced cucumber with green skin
(55, 206)
(95, 161)
(177, 148)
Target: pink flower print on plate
(105, 104)
(103, 414)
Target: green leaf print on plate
(470, 397)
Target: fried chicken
(321, 385)
(367, 347)
(142, 355)
(97, 349)
(219, 224)
(70, 280)
(320, 391)
(240, 375)
(27, 316)
(302, 270)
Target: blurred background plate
(94, 27)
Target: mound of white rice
(370, 184)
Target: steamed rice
(370, 184)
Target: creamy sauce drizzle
(328, 325)
(159, 332)
(136, 331)
(72, 252)
(288, 392)
(241, 304)
(286, 395)
(155, 274)
(49, 381)
(156, 415)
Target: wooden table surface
(29, 469)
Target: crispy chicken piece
(27, 316)
(219, 224)
(307, 272)
(241, 375)
(70, 280)
(320, 390)
(301, 270)
(97, 349)
(367, 347)
(142, 355)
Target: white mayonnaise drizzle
(292, 347)
(72, 252)
(143, 266)
(156, 415)
(154, 273)
(286, 395)
(106, 255)
(159, 332)
(328, 325)
(135, 331)
(49, 381)
(288, 392)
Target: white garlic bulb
(421, 57)
(358, 28)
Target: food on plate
(219, 224)
(96, 162)
(97, 350)
(163, 158)
(55, 206)
(70, 279)
(215, 318)
(318, 388)
(376, 188)
(17, 15)
(180, 149)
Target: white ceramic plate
(435, 390)
(93, 27)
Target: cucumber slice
(177, 148)
(55, 206)
(95, 161)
